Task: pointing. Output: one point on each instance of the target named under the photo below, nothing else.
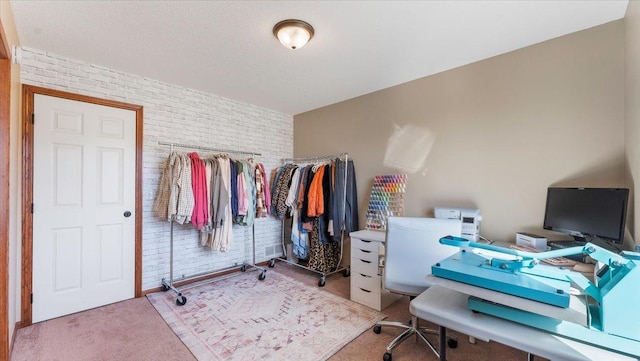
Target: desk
(448, 308)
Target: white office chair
(412, 246)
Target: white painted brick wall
(178, 115)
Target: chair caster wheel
(452, 343)
(386, 357)
(377, 329)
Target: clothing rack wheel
(261, 276)
(181, 300)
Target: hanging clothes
(275, 179)
(321, 199)
(219, 200)
(204, 192)
(259, 184)
(265, 194)
(162, 204)
(227, 239)
(218, 195)
(302, 187)
(293, 191)
(322, 257)
(299, 235)
(250, 174)
(200, 213)
(305, 218)
(208, 171)
(182, 187)
(243, 197)
(249, 194)
(344, 204)
(175, 199)
(222, 237)
(234, 188)
(315, 194)
(281, 190)
(323, 219)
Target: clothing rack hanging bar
(323, 275)
(198, 147)
(168, 284)
(310, 159)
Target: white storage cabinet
(367, 248)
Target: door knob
(127, 214)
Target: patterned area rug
(242, 318)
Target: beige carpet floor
(133, 330)
(128, 330)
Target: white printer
(470, 218)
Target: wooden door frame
(28, 93)
(5, 136)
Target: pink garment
(267, 192)
(243, 198)
(200, 214)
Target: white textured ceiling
(227, 47)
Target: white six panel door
(83, 185)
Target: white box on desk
(531, 240)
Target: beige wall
(6, 15)
(505, 129)
(632, 106)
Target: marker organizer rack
(386, 200)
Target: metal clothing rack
(323, 275)
(168, 284)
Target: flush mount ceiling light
(293, 33)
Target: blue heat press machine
(612, 300)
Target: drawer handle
(367, 291)
(365, 275)
(365, 241)
(365, 251)
(365, 261)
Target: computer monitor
(587, 214)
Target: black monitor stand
(579, 241)
(609, 246)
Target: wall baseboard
(17, 326)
